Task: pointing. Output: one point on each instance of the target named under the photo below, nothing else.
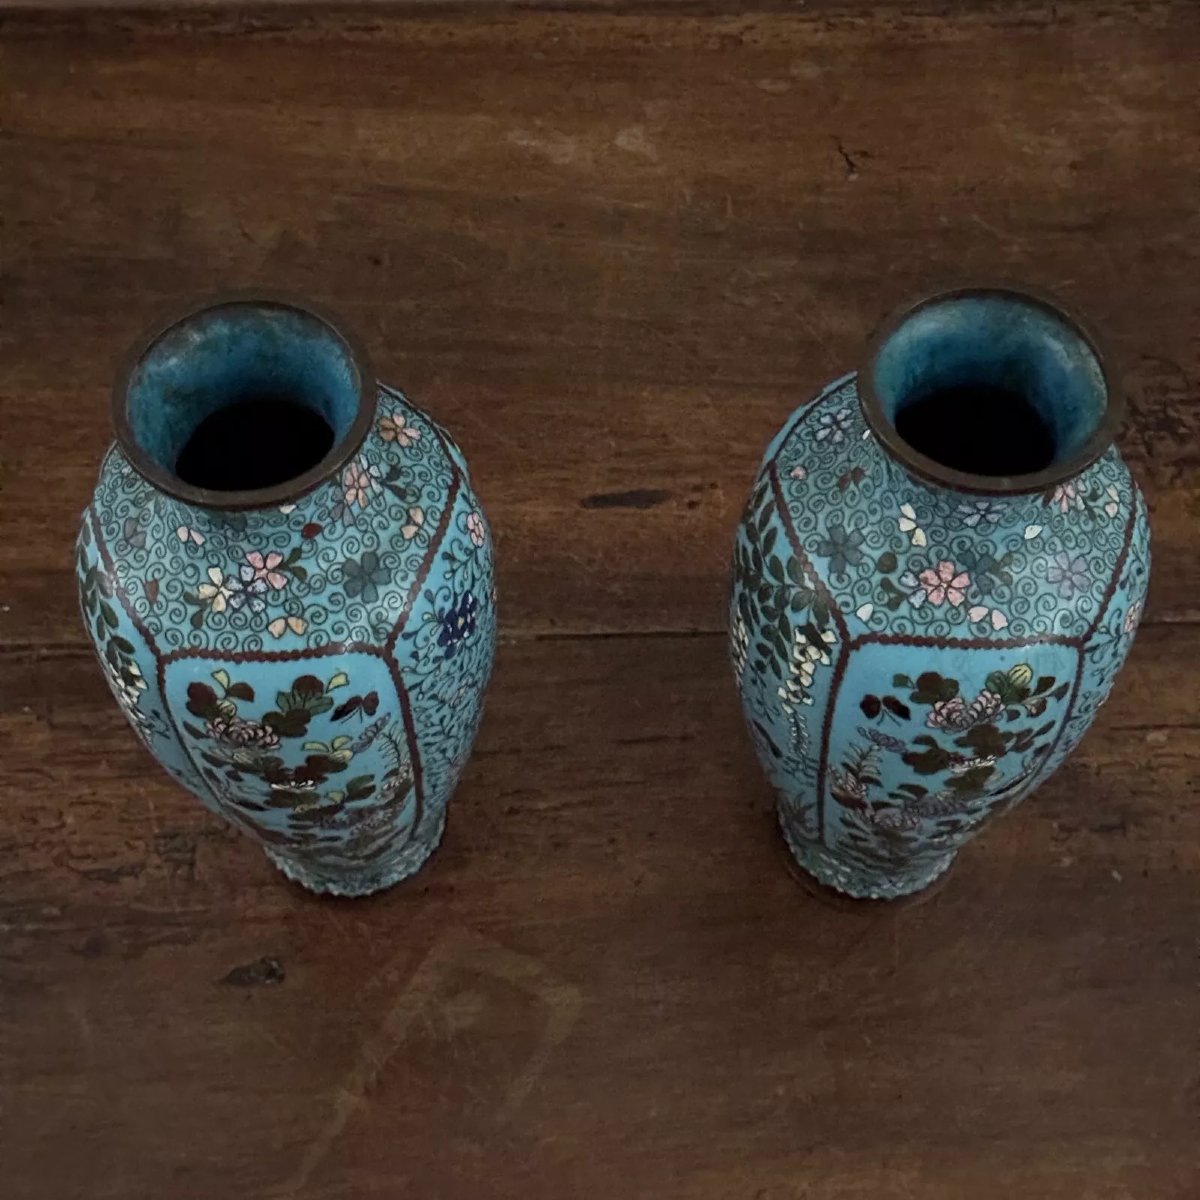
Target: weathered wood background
(611, 251)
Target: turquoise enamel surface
(314, 671)
(915, 659)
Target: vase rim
(930, 470)
(339, 454)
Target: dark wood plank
(612, 253)
(606, 983)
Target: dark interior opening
(981, 429)
(258, 441)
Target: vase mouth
(216, 353)
(980, 342)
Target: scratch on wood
(460, 949)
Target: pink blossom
(356, 481)
(944, 582)
(395, 428)
(476, 528)
(264, 567)
(948, 714)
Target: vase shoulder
(339, 565)
(897, 557)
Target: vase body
(914, 658)
(313, 669)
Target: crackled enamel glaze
(314, 672)
(914, 659)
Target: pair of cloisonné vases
(288, 580)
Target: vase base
(827, 878)
(363, 882)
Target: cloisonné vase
(937, 578)
(300, 626)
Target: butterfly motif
(281, 625)
(186, 534)
(908, 524)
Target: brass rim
(293, 489)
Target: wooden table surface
(611, 251)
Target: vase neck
(243, 404)
(987, 393)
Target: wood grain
(611, 251)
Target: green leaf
(110, 617)
(795, 574)
(197, 618)
(973, 781)
(300, 573)
(307, 685)
(360, 787)
(764, 516)
(1044, 684)
(320, 704)
(999, 683)
(123, 644)
(901, 681)
(337, 681)
(293, 723)
(932, 687)
(984, 741)
(887, 562)
(770, 540)
(929, 762)
(222, 677)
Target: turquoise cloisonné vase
(919, 645)
(309, 657)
